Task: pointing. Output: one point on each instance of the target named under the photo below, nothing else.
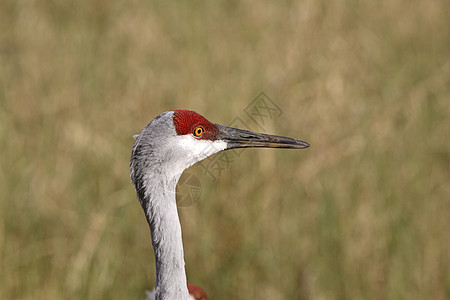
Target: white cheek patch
(186, 150)
(199, 149)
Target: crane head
(175, 140)
(170, 143)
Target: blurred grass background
(362, 214)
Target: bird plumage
(168, 145)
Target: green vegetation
(362, 214)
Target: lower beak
(238, 138)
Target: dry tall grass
(362, 214)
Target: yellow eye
(198, 131)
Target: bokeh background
(364, 213)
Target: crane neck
(160, 209)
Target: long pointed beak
(238, 138)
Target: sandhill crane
(168, 145)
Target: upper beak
(238, 138)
